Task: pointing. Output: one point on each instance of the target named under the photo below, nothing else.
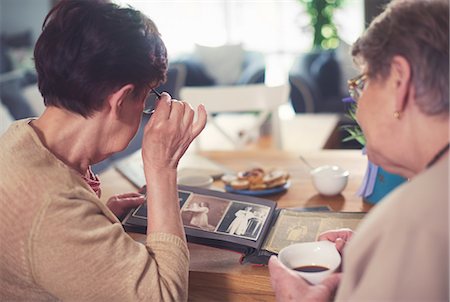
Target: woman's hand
(289, 286)
(339, 237)
(169, 132)
(167, 135)
(122, 203)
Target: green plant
(354, 131)
(321, 13)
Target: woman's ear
(401, 76)
(117, 99)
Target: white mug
(311, 260)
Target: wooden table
(216, 275)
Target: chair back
(260, 100)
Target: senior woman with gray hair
(96, 64)
(400, 252)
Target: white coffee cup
(307, 256)
(329, 180)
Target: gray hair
(417, 30)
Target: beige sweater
(58, 241)
(401, 251)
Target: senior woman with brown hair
(96, 64)
(400, 252)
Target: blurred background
(304, 44)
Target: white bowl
(196, 180)
(317, 253)
(330, 180)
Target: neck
(70, 137)
(431, 142)
(441, 154)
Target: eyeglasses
(356, 86)
(150, 101)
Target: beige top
(400, 252)
(60, 242)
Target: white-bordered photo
(204, 212)
(245, 220)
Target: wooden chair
(261, 102)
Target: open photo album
(245, 224)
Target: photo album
(249, 225)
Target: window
(278, 28)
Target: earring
(397, 115)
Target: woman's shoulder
(421, 201)
(15, 131)
(428, 191)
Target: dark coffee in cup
(311, 269)
(313, 261)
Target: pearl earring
(397, 115)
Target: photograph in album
(250, 225)
(244, 220)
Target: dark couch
(12, 81)
(315, 80)
(252, 72)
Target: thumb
(274, 264)
(275, 273)
(133, 201)
(340, 243)
(127, 195)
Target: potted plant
(321, 14)
(315, 76)
(377, 182)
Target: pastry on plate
(256, 179)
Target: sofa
(318, 79)
(16, 73)
(222, 66)
(315, 83)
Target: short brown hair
(418, 30)
(89, 49)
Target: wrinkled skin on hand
(169, 133)
(340, 237)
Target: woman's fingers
(121, 203)
(163, 107)
(176, 111)
(288, 285)
(183, 114)
(200, 123)
(126, 195)
(332, 235)
(128, 199)
(279, 270)
(131, 202)
(340, 243)
(339, 237)
(188, 115)
(170, 131)
(276, 272)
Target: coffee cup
(329, 180)
(313, 261)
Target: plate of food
(257, 182)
